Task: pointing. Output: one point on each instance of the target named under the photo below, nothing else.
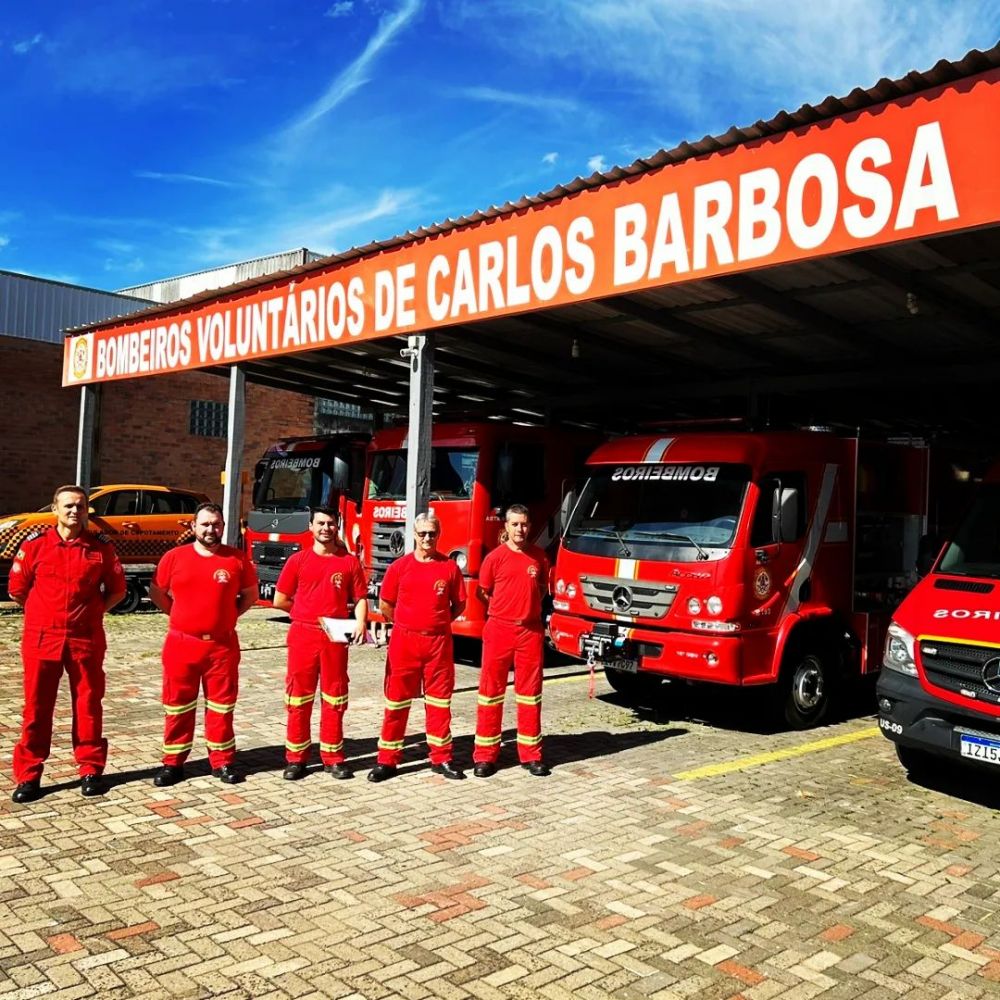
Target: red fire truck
(477, 469)
(939, 694)
(770, 558)
(294, 475)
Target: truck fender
(789, 627)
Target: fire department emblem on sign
(440, 586)
(762, 583)
(221, 576)
(81, 357)
(337, 580)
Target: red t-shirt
(204, 589)
(63, 583)
(321, 585)
(517, 580)
(423, 592)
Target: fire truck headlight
(571, 590)
(898, 654)
(694, 606)
(461, 558)
(560, 586)
(714, 605)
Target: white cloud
(357, 74)
(597, 164)
(492, 95)
(25, 46)
(550, 158)
(340, 9)
(155, 175)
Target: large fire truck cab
(293, 476)
(477, 470)
(746, 559)
(939, 691)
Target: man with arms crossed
(422, 593)
(320, 581)
(204, 587)
(66, 579)
(513, 580)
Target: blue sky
(148, 139)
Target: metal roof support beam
(235, 433)
(86, 441)
(420, 353)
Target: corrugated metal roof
(183, 286)
(39, 309)
(943, 72)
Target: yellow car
(142, 522)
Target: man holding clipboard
(320, 583)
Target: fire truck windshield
(293, 482)
(453, 474)
(668, 512)
(975, 546)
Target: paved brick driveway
(661, 859)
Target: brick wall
(144, 427)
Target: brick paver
(825, 874)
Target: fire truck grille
(272, 553)
(628, 597)
(960, 668)
(388, 544)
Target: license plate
(265, 591)
(629, 667)
(980, 748)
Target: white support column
(234, 455)
(90, 400)
(420, 353)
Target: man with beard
(421, 595)
(204, 587)
(321, 581)
(66, 579)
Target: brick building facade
(144, 427)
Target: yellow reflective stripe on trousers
(228, 745)
(486, 701)
(487, 741)
(299, 699)
(335, 699)
(439, 741)
(396, 705)
(294, 747)
(528, 699)
(176, 747)
(180, 709)
(390, 744)
(437, 702)
(529, 741)
(220, 706)
(331, 747)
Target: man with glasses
(422, 594)
(513, 580)
(321, 581)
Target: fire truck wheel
(806, 688)
(134, 593)
(917, 763)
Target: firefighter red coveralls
(420, 652)
(517, 581)
(202, 649)
(63, 586)
(318, 586)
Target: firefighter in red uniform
(66, 579)
(320, 581)
(422, 593)
(204, 587)
(513, 579)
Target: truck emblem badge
(762, 583)
(274, 523)
(621, 598)
(397, 543)
(991, 674)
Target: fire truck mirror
(927, 551)
(785, 514)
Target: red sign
(913, 168)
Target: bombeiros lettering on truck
(767, 559)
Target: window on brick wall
(333, 415)
(208, 419)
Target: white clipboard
(340, 629)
